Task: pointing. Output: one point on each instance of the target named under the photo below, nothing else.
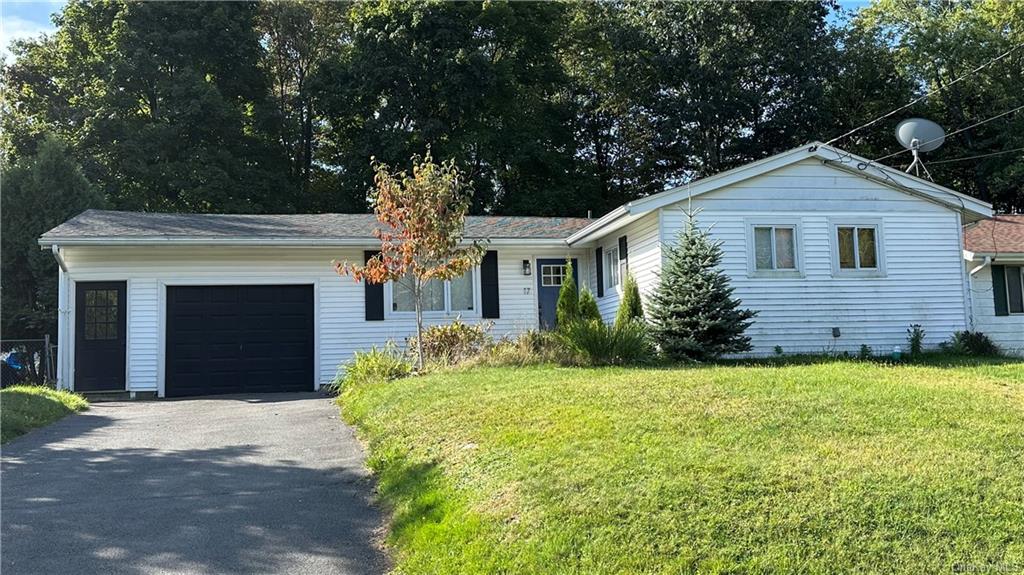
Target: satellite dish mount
(919, 135)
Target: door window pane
(552, 275)
(1014, 289)
(866, 247)
(101, 314)
(846, 249)
(462, 292)
(763, 249)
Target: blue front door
(550, 275)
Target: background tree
(165, 104)
(692, 311)
(40, 191)
(298, 38)
(934, 42)
(423, 219)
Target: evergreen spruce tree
(588, 306)
(630, 308)
(567, 310)
(693, 314)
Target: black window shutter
(489, 305)
(599, 266)
(374, 294)
(623, 248)
(999, 289)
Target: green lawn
(26, 407)
(833, 467)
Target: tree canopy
(548, 108)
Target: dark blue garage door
(239, 339)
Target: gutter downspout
(63, 316)
(60, 258)
(988, 261)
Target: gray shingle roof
(103, 224)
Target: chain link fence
(28, 361)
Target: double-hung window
(453, 296)
(773, 248)
(612, 271)
(858, 248)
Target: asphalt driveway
(256, 484)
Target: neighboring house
(831, 250)
(994, 252)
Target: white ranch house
(832, 251)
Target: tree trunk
(417, 292)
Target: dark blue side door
(550, 275)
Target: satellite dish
(919, 135)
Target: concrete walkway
(256, 484)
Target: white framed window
(773, 248)
(552, 275)
(612, 268)
(857, 248)
(440, 297)
(1014, 288)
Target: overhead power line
(965, 158)
(929, 93)
(951, 134)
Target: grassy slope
(25, 407)
(836, 467)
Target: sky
(20, 19)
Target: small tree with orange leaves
(423, 219)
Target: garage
(239, 339)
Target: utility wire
(951, 134)
(976, 157)
(916, 100)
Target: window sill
(776, 274)
(858, 274)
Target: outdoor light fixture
(526, 267)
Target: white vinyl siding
(1007, 331)
(918, 251)
(643, 260)
(341, 327)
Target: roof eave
(46, 242)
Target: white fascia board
(269, 242)
(997, 257)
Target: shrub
(567, 310)
(692, 311)
(970, 343)
(594, 342)
(630, 307)
(455, 342)
(915, 337)
(378, 364)
(530, 348)
(865, 351)
(779, 351)
(588, 306)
